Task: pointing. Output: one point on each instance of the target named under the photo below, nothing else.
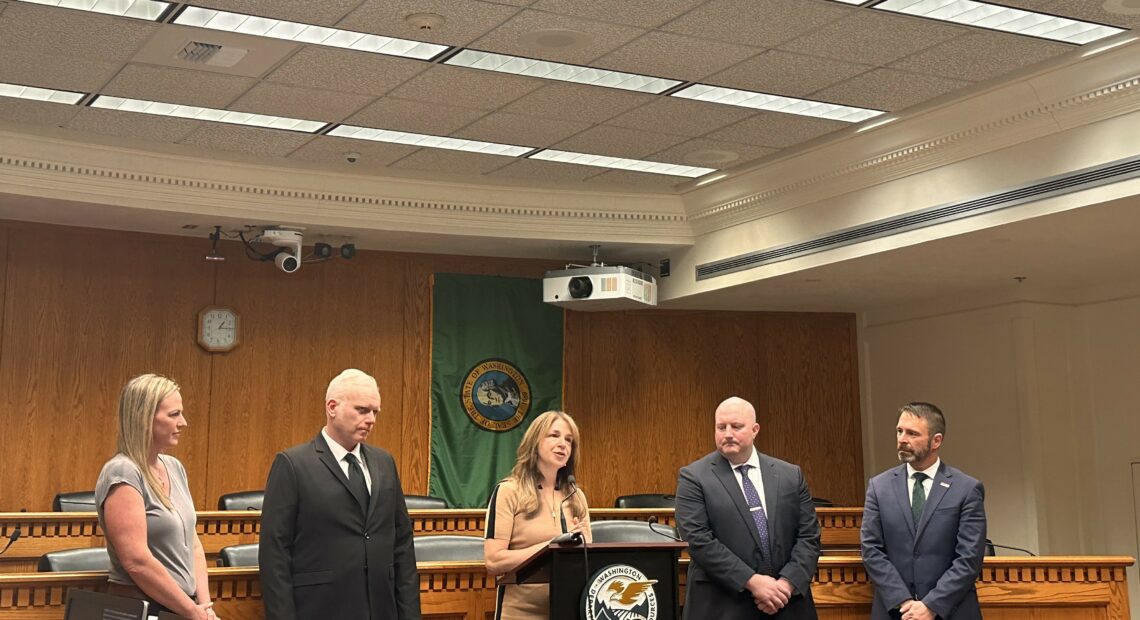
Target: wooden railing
(1075, 588)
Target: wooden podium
(570, 570)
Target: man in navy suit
(751, 528)
(924, 528)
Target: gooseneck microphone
(569, 538)
(653, 521)
(990, 543)
(14, 536)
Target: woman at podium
(535, 503)
(145, 509)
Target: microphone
(14, 536)
(991, 544)
(653, 521)
(569, 538)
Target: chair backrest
(67, 560)
(87, 605)
(242, 500)
(646, 500)
(75, 501)
(238, 555)
(425, 502)
(630, 531)
(448, 548)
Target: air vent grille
(197, 52)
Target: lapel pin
(945, 484)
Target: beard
(913, 453)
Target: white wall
(1042, 400)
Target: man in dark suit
(751, 527)
(336, 540)
(924, 528)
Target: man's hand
(768, 594)
(915, 610)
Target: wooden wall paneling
(85, 310)
(809, 412)
(298, 331)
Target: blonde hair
(526, 474)
(346, 380)
(138, 403)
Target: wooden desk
(1075, 588)
(42, 532)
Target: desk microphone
(991, 544)
(569, 538)
(14, 536)
(653, 521)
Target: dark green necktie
(918, 497)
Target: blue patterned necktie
(756, 507)
(918, 497)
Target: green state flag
(496, 363)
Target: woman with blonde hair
(531, 506)
(145, 509)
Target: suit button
(367, 537)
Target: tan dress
(504, 522)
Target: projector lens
(580, 287)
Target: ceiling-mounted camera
(288, 258)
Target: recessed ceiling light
(206, 114)
(429, 141)
(140, 9)
(618, 163)
(306, 33)
(39, 94)
(1003, 18)
(776, 103)
(517, 65)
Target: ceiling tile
(200, 88)
(464, 20)
(254, 140)
(64, 32)
(775, 130)
(889, 89)
(470, 88)
(331, 150)
(683, 117)
(577, 102)
(981, 56)
(759, 23)
(675, 56)
(59, 72)
(642, 180)
(600, 37)
(323, 13)
(873, 37)
(132, 125)
(36, 112)
(784, 73)
(346, 71)
(618, 142)
(452, 162)
(539, 170)
(711, 153)
(297, 102)
(521, 130)
(403, 115)
(642, 13)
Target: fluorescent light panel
(517, 65)
(140, 9)
(1003, 18)
(618, 163)
(306, 33)
(429, 141)
(776, 103)
(39, 94)
(206, 114)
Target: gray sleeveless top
(169, 534)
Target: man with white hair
(336, 540)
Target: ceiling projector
(599, 288)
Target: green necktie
(918, 497)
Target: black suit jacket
(320, 557)
(713, 517)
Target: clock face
(217, 329)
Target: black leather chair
(820, 502)
(68, 560)
(448, 548)
(238, 555)
(76, 501)
(646, 500)
(242, 500)
(630, 531)
(425, 502)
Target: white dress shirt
(754, 476)
(339, 453)
(926, 484)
